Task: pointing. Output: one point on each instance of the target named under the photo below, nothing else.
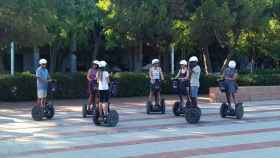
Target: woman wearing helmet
(103, 87)
(183, 76)
(194, 79)
(155, 75)
(230, 75)
(92, 84)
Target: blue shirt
(43, 74)
(230, 73)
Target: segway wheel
(239, 111)
(223, 110)
(84, 110)
(37, 113)
(192, 115)
(95, 117)
(162, 103)
(176, 109)
(50, 111)
(148, 107)
(113, 118)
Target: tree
(141, 22)
(25, 23)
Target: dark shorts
(230, 86)
(104, 96)
(155, 87)
(183, 87)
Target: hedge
(22, 87)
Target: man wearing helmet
(155, 75)
(92, 84)
(183, 76)
(43, 78)
(230, 75)
(194, 79)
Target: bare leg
(228, 99)
(233, 97)
(105, 108)
(194, 101)
(150, 96)
(90, 101)
(100, 108)
(38, 102)
(42, 102)
(158, 99)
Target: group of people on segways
(186, 84)
(99, 93)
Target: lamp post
(12, 58)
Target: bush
(23, 86)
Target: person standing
(43, 78)
(195, 71)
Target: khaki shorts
(42, 93)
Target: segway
(179, 107)
(48, 110)
(156, 108)
(192, 112)
(111, 120)
(85, 108)
(228, 111)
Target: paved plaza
(139, 135)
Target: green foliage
(23, 86)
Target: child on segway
(193, 113)
(92, 89)
(156, 76)
(230, 87)
(182, 87)
(42, 109)
(103, 113)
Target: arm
(108, 78)
(177, 76)
(150, 73)
(88, 75)
(97, 76)
(161, 74)
(187, 75)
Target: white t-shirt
(103, 80)
(195, 76)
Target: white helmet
(96, 62)
(43, 61)
(102, 64)
(155, 61)
(193, 59)
(232, 64)
(183, 62)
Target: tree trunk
(53, 59)
(72, 56)
(226, 61)
(2, 69)
(130, 59)
(97, 44)
(207, 60)
(139, 57)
